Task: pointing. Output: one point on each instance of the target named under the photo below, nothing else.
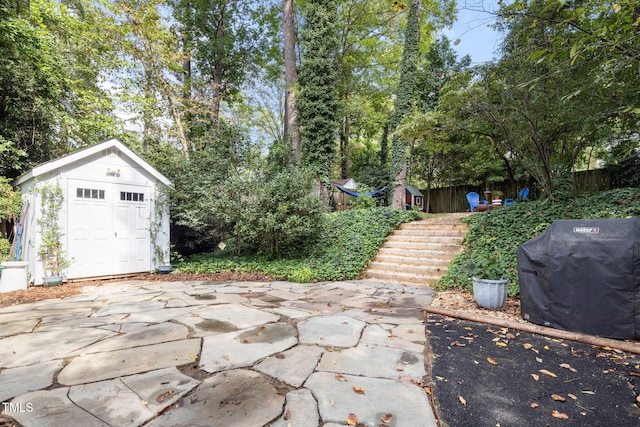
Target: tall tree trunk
(147, 122)
(218, 72)
(291, 129)
(187, 48)
(344, 143)
(404, 103)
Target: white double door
(108, 228)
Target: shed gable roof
(414, 191)
(43, 168)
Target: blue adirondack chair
(474, 200)
(522, 195)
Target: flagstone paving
(274, 354)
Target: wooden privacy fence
(454, 199)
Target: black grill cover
(583, 276)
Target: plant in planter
(489, 284)
(497, 197)
(53, 256)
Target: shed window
(131, 197)
(89, 193)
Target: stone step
(419, 270)
(444, 247)
(429, 232)
(416, 253)
(419, 252)
(444, 239)
(402, 278)
(420, 225)
(410, 261)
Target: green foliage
(405, 97)
(272, 215)
(317, 101)
(51, 252)
(499, 233)
(5, 248)
(31, 85)
(363, 202)
(343, 248)
(10, 200)
(490, 266)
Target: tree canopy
(198, 88)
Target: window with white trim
(129, 196)
(89, 193)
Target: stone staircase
(419, 252)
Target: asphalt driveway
(490, 376)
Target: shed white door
(108, 228)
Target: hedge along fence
(454, 199)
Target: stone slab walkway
(218, 354)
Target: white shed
(115, 216)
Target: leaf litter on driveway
(531, 380)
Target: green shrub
(341, 250)
(5, 247)
(502, 230)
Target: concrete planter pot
(14, 276)
(490, 294)
(51, 281)
(165, 269)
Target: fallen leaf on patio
(510, 336)
(558, 398)
(468, 328)
(340, 377)
(456, 343)
(634, 374)
(144, 402)
(638, 399)
(193, 356)
(386, 418)
(164, 396)
(606, 347)
(464, 402)
(534, 405)
(501, 344)
(399, 369)
(225, 357)
(352, 420)
(428, 390)
(496, 339)
(588, 392)
(546, 347)
(535, 376)
(539, 360)
(527, 346)
(287, 414)
(332, 402)
(567, 366)
(358, 389)
(573, 396)
(559, 415)
(551, 374)
(490, 360)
